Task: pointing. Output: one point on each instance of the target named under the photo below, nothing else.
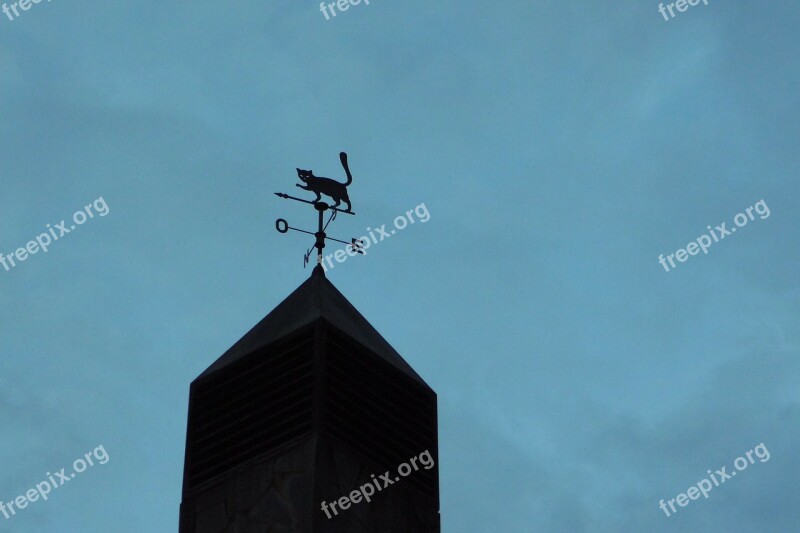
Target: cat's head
(304, 174)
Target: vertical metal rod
(321, 207)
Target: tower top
(316, 298)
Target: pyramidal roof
(316, 298)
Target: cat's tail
(343, 159)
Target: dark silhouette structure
(304, 409)
(320, 185)
(329, 187)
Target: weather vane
(319, 186)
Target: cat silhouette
(320, 185)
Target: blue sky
(559, 149)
